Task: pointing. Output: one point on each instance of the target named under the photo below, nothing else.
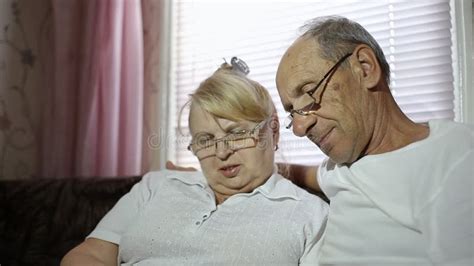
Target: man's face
(339, 125)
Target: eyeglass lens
(231, 143)
(234, 141)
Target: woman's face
(228, 171)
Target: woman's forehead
(203, 121)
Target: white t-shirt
(412, 206)
(171, 218)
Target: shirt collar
(189, 178)
(276, 186)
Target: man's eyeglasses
(311, 108)
(203, 146)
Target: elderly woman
(237, 211)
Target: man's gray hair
(338, 36)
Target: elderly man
(400, 191)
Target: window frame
(463, 61)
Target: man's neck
(393, 129)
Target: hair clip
(239, 65)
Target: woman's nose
(222, 150)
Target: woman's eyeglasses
(203, 146)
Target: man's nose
(302, 124)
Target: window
(416, 37)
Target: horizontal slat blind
(415, 36)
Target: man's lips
(230, 170)
(322, 140)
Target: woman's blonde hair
(229, 94)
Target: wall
(24, 29)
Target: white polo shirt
(171, 218)
(412, 206)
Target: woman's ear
(368, 66)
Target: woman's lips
(230, 170)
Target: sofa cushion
(42, 219)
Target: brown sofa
(42, 219)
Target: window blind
(415, 36)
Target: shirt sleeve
(314, 235)
(116, 221)
(446, 222)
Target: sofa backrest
(42, 219)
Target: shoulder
(160, 178)
(447, 156)
(162, 174)
(306, 201)
(454, 130)
(452, 139)
(310, 209)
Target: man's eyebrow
(288, 107)
(296, 91)
(297, 88)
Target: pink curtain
(153, 11)
(93, 114)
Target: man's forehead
(302, 52)
(299, 63)
(302, 47)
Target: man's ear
(368, 66)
